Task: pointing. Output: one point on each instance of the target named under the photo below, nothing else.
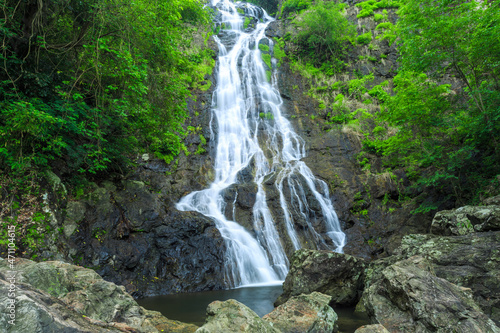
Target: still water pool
(191, 307)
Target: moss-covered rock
(410, 298)
(58, 297)
(372, 329)
(304, 314)
(465, 220)
(471, 261)
(232, 316)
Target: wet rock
(304, 313)
(334, 274)
(410, 298)
(37, 311)
(58, 297)
(372, 329)
(465, 220)
(275, 29)
(232, 316)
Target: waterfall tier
(259, 151)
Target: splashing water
(253, 134)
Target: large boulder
(131, 237)
(471, 261)
(465, 220)
(334, 274)
(59, 297)
(233, 316)
(410, 298)
(304, 314)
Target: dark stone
(334, 274)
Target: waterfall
(257, 144)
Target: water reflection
(191, 307)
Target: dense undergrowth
(438, 117)
(83, 84)
(86, 86)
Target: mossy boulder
(377, 328)
(465, 220)
(304, 314)
(233, 316)
(55, 296)
(410, 298)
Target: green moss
(268, 116)
(364, 39)
(247, 22)
(267, 60)
(278, 51)
(367, 7)
(241, 11)
(372, 59)
(378, 17)
(206, 86)
(268, 75)
(264, 47)
(384, 25)
(200, 149)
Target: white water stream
(246, 109)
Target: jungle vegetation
(438, 118)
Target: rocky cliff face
(57, 297)
(367, 202)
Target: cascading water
(252, 133)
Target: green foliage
(247, 21)
(364, 39)
(264, 47)
(271, 6)
(389, 32)
(384, 25)
(290, 6)
(87, 84)
(441, 46)
(379, 93)
(367, 7)
(357, 87)
(267, 60)
(323, 34)
(278, 51)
